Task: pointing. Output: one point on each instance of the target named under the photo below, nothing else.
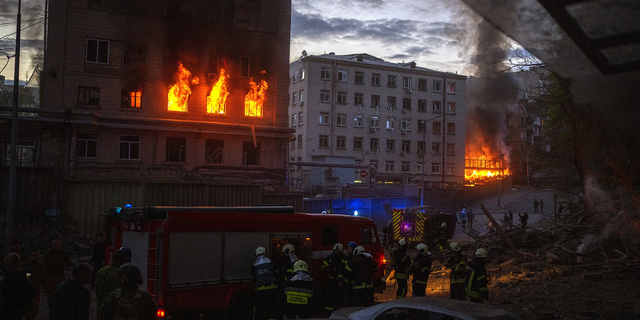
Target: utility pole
(11, 190)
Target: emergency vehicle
(420, 224)
(198, 259)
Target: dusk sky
(434, 34)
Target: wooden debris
(509, 263)
(550, 255)
(563, 270)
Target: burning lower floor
(479, 171)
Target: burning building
(188, 96)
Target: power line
(31, 25)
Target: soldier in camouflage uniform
(56, 259)
(108, 279)
(38, 278)
(129, 302)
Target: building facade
(361, 110)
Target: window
(451, 88)
(374, 144)
(436, 127)
(391, 81)
(357, 120)
(451, 149)
(299, 141)
(451, 108)
(25, 152)
(294, 98)
(300, 121)
(422, 105)
(406, 146)
(406, 167)
(323, 141)
(341, 120)
(342, 97)
(325, 74)
(420, 147)
(130, 147)
(391, 145)
(324, 95)
(359, 77)
(419, 167)
(437, 107)
(358, 99)
(341, 142)
(374, 123)
(406, 124)
(213, 150)
(176, 149)
(294, 120)
(375, 101)
(523, 134)
(435, 168)
(342, 75)
(435, 148)
(422, 84)
(131, 99)
(406, 104)
(437, 85)
(450, 168)
(357, 143)
(299, 159)
(406, 83)
(251, 153)
(89, 96)
(295, 78)
(422, 126)
(97, 51)
(391, 124)
(324, 118)
(86, 145)
(391, 102)
(388, 166)
(451, 128)
(248, 67)
(301, 74)
(375, 79)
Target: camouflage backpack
(128, 308)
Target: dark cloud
(8, 45)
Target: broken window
(251, 152)
(176, 149)
(213, 150)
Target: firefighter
(334, 268)
(421, 268)
(263, 275)
(463, 218)
(458, 265)
(287, 260)
(129, 302)
(299, 293)
(108, 278)
(346, 284)
(402, 262)
(476, 278)
(127, 254)
(361, 271)
(442, 235)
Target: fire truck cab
(197, 260)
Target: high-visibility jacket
(300, 296)
(402, 263)
(458, 265)
(421, 268)
(476, 279)
(361, 271)
(333, 266)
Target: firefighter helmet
(455, 246)
(261, 250)
(127, 252)
(422, 248)
(338, 247)
(443, 225)
(300, 265)
(288, 248)
(132, 272)
(358, 250)
(482, 253)
(402, 243)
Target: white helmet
(443, 225)
(261, 250)
(402, 243)
(358, 250)
(422, 249)
(338, 247)
(455, 246)
(288, 248)
(482, 253)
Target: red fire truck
(197, 260)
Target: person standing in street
(97, 260)
(128, 301)
(335, 270)
(523, 219)
(108, 278)
(476, 278)
(38, 278)
(458, 265)
(541, 203)
(299, 293)
(470, 217)
(402, 262)
(463, 218)
(263, 275)
(421, 268)
(16, 292)
(535, 206)
(56, 260)
(71, 299)
(361, 271)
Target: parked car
(425, 308)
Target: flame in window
(134, 97)
(254, 100)
(180, 91)
(217, 98)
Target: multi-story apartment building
(359, 109)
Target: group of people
(285, 286)
(118, 296)
(467, 218)
(507, 219)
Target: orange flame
(217, 98)
(135, 97)
(254, 100)
(180, 91)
